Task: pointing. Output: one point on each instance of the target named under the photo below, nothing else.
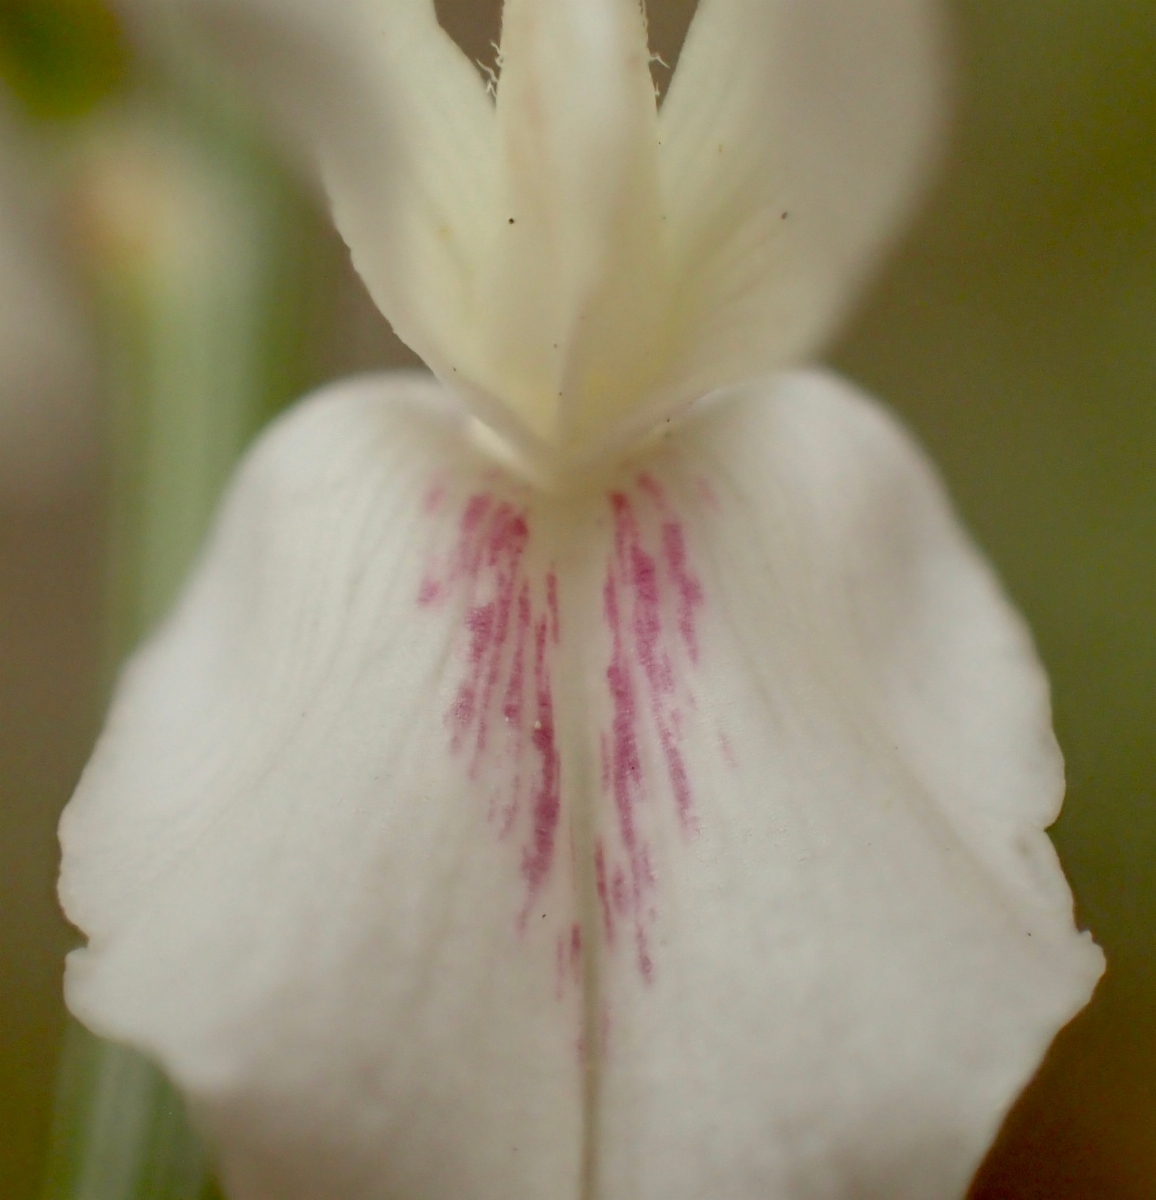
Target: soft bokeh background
(1015, 330)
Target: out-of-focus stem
(120, 1129)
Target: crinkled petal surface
(678, 839)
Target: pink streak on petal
(474, 513)
(552, 604)
(513, 707)
(650, 647)
(567, 960)
(502, 711)
(652, 597)
(576, 953)
(687, 584)
(619, 895)
(626, 764)
(547, 799)
(479, 623)
(603, 893)
(502, 551)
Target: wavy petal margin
(680, 838)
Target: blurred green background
(1015, 330)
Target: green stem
(120, 1129)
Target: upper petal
(576, 278)
(399, 123)
(681, 838)
(515, 247)
(577, 265)
(794, 137)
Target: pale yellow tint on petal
(576, 278)
(795, 136)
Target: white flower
(658, 814)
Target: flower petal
(678, 838)
(400, 123)
(575, 264)
(515, 247)
(577, 291)
(836, 941)
(793, 137)
(305, 888)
